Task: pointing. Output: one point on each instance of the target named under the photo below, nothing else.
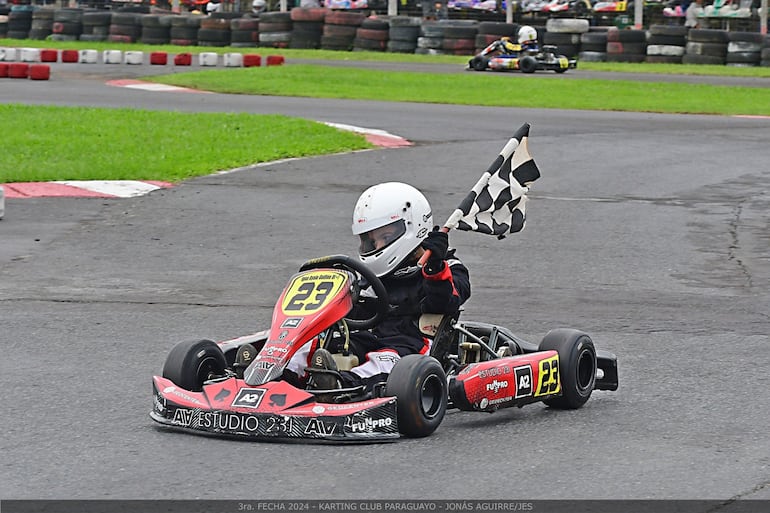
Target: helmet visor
(380, 238)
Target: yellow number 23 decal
(548, 377)
(311, 291)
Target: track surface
(647, 231)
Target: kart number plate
(311, 291)
(548, 377)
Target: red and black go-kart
(472, 366)
(502, 55)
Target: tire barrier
(593, 46)
(67, 24)
(626, 45)
(744, 49)
(48, 55)
(208, 59)
(372, 35)
(350, 30)
(183, 59)
(232, 60)
(133, 57)
(18, 70)
(339, 30)
(184, 30)
(214, 32)
(403, 34)
(274, 60)
(125, 27)
(307, 27)
(252, 60)
(491, 31)
(459, 37)
(88, 56)
(19, 22)
(96, 25)
(156, 29)
(70, 56)
(565, 34)
(42, 23)
(158, 58)
(244, 32)
(666, 44)
(705, 46)
(4, 69)
(29, 55)
(112, 56)
(275, 29)
(39, 72)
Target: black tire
(479, 63)
(528, 64)
(577, 366)
(419, 384)
(189, 364)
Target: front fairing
(312, 302)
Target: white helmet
(527, 33)
(391, 219)
(258, 5)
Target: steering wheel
(382, 305)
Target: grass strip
(43, 143)
(485, 89)
(459, 61)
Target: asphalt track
(650, 232)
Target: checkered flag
(496, 203)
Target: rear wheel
(577, 366)
(419, 384)
(191, 363)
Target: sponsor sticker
(248, 398)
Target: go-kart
(472, 366)
(503, 55)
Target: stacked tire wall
(184, 30)
(459, 37)
(765, 53)
(307, 27)
(19, 22)
(593, 45)
(626, 45)
(340, 29)
(214, 32)
(403, 34)
(565, 34)
(491, 31)
(705, 46)
(125, 27)
(244, 32)
(156, 29)
(275, 29)
(744, 48)
(96, 25)
(372, 35)
(666, 44)
(42, 24)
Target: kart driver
(393, 222)
(527, 38)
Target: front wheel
(528, 64)
(419, 384)
(191, 363)
(577, 366)
(479, 63)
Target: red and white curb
(375, 136)
(152, 86)
(83, 189)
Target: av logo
(523, 381)
(248, 398)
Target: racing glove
(437, 243)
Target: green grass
(65, 143)
(472, 88)
(58, 143)
(623, 67)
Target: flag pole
(508, 150)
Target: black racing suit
(411, 292)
